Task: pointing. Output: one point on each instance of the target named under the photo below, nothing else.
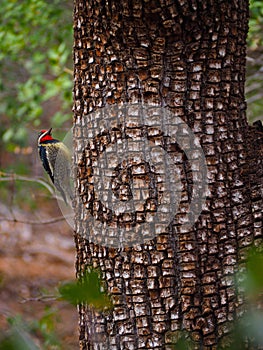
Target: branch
(255, 97)
(33, 222)
(15, 177)
(67, 70)
(43, 298)
(253, 87)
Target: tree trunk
(188, 58)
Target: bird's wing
(43, 153)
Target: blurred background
(36, 255)
(36, 244)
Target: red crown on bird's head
(45, 135)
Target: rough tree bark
(188, 57)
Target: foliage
(255, 39)
(45, 326)
(254, 87)
(22, 335)
(35, 65)
(35, 56)
(182, 341)
(35, 85)
(18, 336)
(88, 290)
(253, 281)
(254, 83)
(246, 332)
(21, 189)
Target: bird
(56, 160)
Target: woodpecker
(56, 160)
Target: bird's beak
(49, 131)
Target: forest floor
(34, 260)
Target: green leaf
(32, 60)
(254, 278)
(17, 338)
(8, 135)
(88, 290)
